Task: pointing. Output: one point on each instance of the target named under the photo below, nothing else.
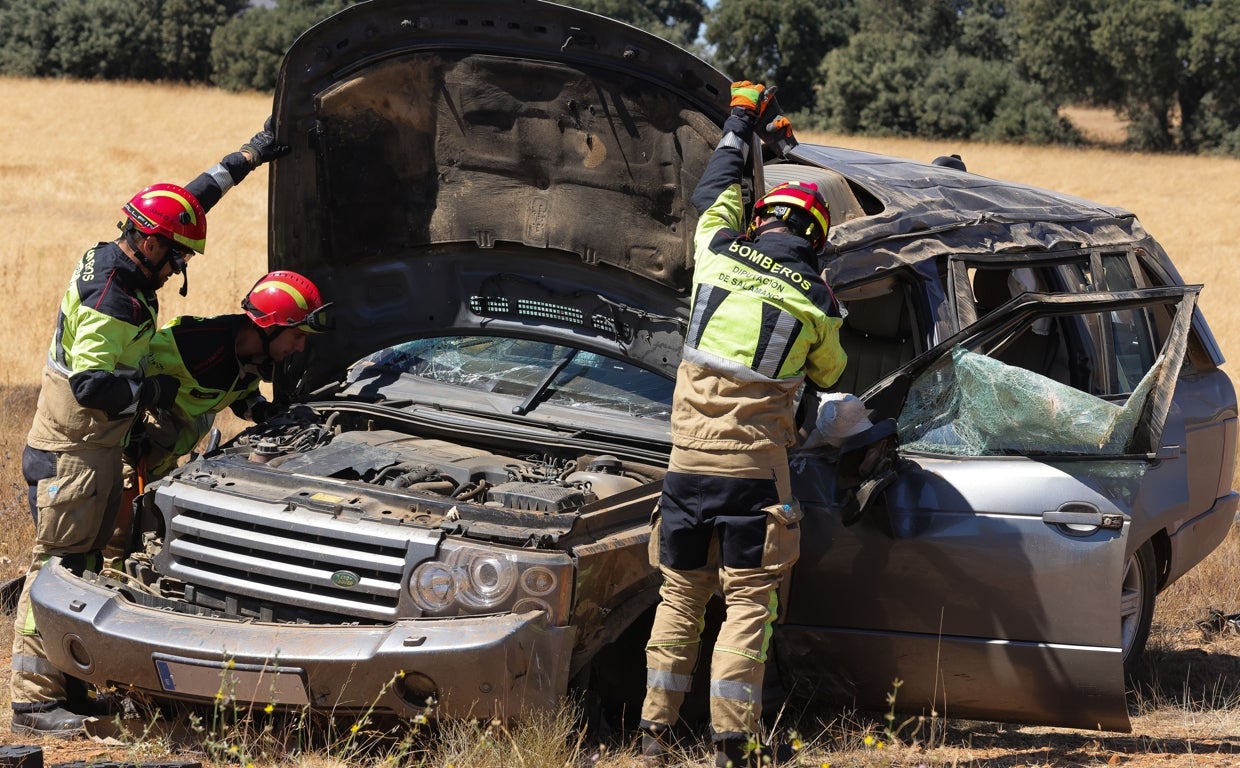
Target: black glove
(159, 391)
(773, 128)
(264, 148)
(303, 414)
(261, 410)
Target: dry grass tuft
(16, 531)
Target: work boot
(744, 753)
(732, 753)
(654, 745)
(58, 723)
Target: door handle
(1083, 515)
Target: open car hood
(430, 140)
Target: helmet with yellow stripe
(169, 211)
(285, 299)
(801, 207)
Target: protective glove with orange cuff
(777, 134)
(748, 96)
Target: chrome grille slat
(226, 545)
(204, 555)
(286, 595)
(188, 524)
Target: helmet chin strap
(184, 282)
(767, 227)
(131, 237)
(267, 338)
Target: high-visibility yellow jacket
(201, 353)
(762, 319)
(94, 365)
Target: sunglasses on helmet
(320, 320)
(178, 256)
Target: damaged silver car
(454, 514)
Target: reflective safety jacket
(201, 353)
(94, 371)
(762, 319)
(94, 366)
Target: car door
(987, 582)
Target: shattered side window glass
(973, 405)
(518, 367)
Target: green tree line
(991, 70)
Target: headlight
(488, 578)
(539, 580)
(530, 604)
(433, 586)
(472, 580)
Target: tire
(1136, 605)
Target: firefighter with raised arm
(762, 320)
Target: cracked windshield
(537, 371)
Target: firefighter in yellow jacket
(762, 319)
(220, 362)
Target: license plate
(254, 683)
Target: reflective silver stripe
(731, 689)
(222, 177)
(777, 346)
(135, 387)
(33, 665)
(739, 371)
(732, 141)
(56, 365)
(697, 322)
(57, 351)
(668, 681)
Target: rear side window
(973, 401)
(880, 331)
(1104, 354)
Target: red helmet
(801, 206)
(170, 211)
(284, 299)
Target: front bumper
(499, 665)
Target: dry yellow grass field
(72, 153)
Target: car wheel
(1136, 605)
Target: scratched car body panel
(495, 196)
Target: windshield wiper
(528, 404)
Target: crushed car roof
(890, 211)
